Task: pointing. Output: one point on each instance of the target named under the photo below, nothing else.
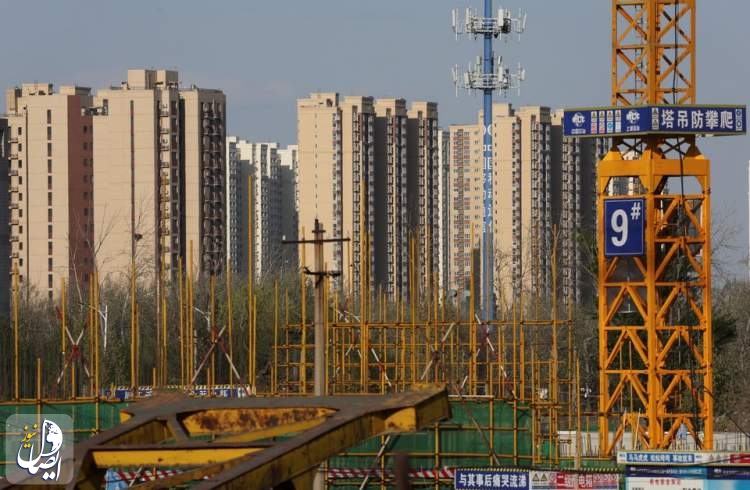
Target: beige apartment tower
(320, 160)
(159, 191)
(50, 151)
(337, 176)
(368, 172)
(541, 181)
(423, 158)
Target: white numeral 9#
(619, 224)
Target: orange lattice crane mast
(654, 230)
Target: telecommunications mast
(488, 75)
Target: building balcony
(13, 156)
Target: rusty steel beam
(160, 433)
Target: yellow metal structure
(162, 433)
(653, 52)
(655, 310)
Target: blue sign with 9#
(624, 227)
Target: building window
(49, 264)
(20, 131)
(85, 211)
(49, 199)
(49, 214)
(20, 261)
(49, 116)
(20, 180)
(49, 248)
(85, 195)
(49, 166)
(20, 229)
(49, 149)
(20, 163)
(49, 232)
(85, 129)
(49, 283)
(85, 145)
(20, 196)
(49, 182)
(49, 133)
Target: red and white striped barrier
(444, 473)
(145, 475)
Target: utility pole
(319, 365)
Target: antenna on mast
(488, 75)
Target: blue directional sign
(488, 478)
(624, 227)
(661, 119)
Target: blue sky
(265, 54)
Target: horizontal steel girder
(159, 433)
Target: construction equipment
(654, 231)
(242, 451)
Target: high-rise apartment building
(368, 172)
(337, 175)
(392, 221)
(203, 123)
(423, 157)
(265, 188)
(5, 257)
(574, 209)
(443, 206)
(357, 186)
(159, 161)
(236, 192)
(289, 181)
(50, 151)
(465, 210)
(540, 181)
(319, 135)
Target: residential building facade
(49, 137)
(160, 161)
(543, 197)
(369, 172)
(443, 207)
(255, 208)
(392, 221)
(289, 182)
(423, 185)
(5, 254)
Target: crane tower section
(654, 230)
